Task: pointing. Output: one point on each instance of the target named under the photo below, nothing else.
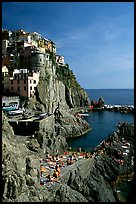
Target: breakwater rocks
(120, 108)
(92, 179)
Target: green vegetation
(47, 76)
(66, 75)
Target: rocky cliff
(88, 180)
(58, 84)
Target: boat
(15, 112)
(83, 114)
(43, 115)
(9, 108)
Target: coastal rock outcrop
(50, 134)
(88, 180)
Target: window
(11, 81)
(24, 81)
(12, 88)
(30, 81)
(25, 74)
(17, 81)
(40, 60)
(18, 88)
(35, 88)
(30, 95)
(34, 81)
(30, 87)
(24, 88)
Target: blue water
(104, 123)
(113, 96)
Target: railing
(8, 98)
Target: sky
(95, 38)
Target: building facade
(7, 101)
(5, 80)
(26, 55)
(37, 59)
(24, 83)
(60, 59)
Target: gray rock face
(58, 85)
(50, 134)
(87, 180)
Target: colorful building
(24, 83)
(25, 56)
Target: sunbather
(42, 169)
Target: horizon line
(108, 88)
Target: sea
(103, 123)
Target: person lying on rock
(72, 159)
(57, 158)
(68, 161)
(42, 170)
(62, 164)
(55, 176)
(49, 178)
(87, 155)
(53, 158)
(48, 157)
(57, 168)
(52, 165)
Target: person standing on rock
(57, 115)
(38, 175)
(28, 166)
(55, 176)
(57, 168)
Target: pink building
(32, 83)
(24, 83)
